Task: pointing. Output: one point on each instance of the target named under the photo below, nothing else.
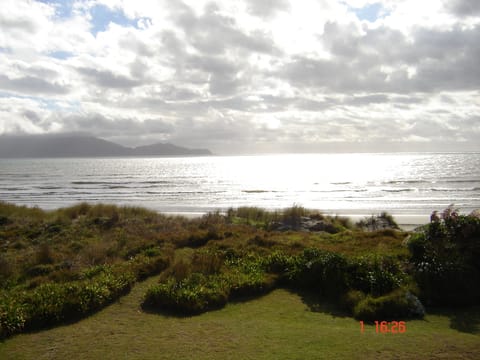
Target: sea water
(404, 184)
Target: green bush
(374, 275)
(280, 263)
(39, 270)
(447, 283)
(351, 299)
(207, 262)
(321, 271)
(144, 266)
(292, 216)
(6, 268)
(378, 222)
(51, 303)
(192, 295)
(192, 288)
(12, 316)
(249, 284)
(446, 259)
(417, 245)
(397, 305)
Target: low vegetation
(62, 265)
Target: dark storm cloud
(108, 79)
(31, 85)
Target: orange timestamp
(387, 327)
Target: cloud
(244, 75)
(464, 7)
(215, 33)
(432, 61)
(31, 85)
(108, 79)
(267, 8)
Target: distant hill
(68, 145)
(167, 150)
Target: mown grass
(280, 325)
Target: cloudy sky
(245, 76)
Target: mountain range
(74, 145)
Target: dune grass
(279, 325)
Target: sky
(245, 76)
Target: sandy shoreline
(407, 222)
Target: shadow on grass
(169, 313)
(320, 304)
(465, 320)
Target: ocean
(408, 185)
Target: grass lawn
(279, 325)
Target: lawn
(279, 325)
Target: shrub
(378, 222)
(249, 284)
(399, 304)
(293, 216)
(51, 303)
(198, 287)
(212, 220)
(321, 271)
(447, 283)
(250, 215)
(4, 220)
(44, 254)
(207, 262)
(446, 259)
(194, 294)
(374, 275)
(6, 268)
(12, 316)
(75, 211)
(144, 266)
(417, 245)
(279, 262)
(351, 299)
(39, 270)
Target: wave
(455, 189)
(91, 182)
(461, 181)
(338, 191)
(257, 191)
(398, 190)
(407, 182)
(155, 182)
